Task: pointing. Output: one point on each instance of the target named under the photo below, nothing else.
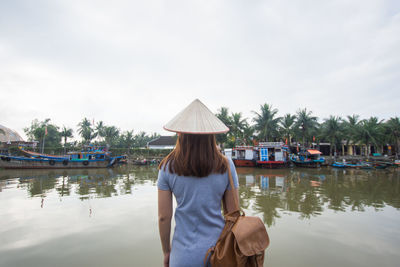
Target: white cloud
(135, 64)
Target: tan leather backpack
(243, 240)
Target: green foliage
(306, 125)
(238, 124)
(66, 133)
(266, 123)
(223, 115)
(351, 128)
(371, 132)
(86, 131)
(111, 135)
(332, 130)
(37, 132)
(392, 132)
(301, 127)
(286, 128)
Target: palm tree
(141, 139)
(393, 132)
(351, 128)
(223, 115)
(110, 134)
(266, 122)
(86, 131)
(248, 134)
(332, 130)
(128, 140)
(306, 124)
(66, 133)
(286, 127)
(238, 123)
(100, 129)
(370, 133)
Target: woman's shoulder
(230, 162)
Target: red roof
(314, 151)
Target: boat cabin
(242, 156)
(90, 153)
(244, 153)
(272, 151)
(310, 154)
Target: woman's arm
(164, 220)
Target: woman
(196, 173)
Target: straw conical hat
(196, 119)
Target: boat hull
(307, 164)
(32, 163)
(244, 163)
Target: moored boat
(272, 155)
(244, 156)
(87, 158)
(311, 158)
(339, 165)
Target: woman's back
(198, 218)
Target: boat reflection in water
(99, 183)
(310, 192)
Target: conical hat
(196, 119)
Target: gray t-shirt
(198, 218)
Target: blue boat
(311, 158)
(339, 165)
(90, 157)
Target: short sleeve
(163, 181)
(234, 175)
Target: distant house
(162, 142)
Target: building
(7, 135)
(162, 142)
(10, 138)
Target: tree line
(305, 128)
(88, 132)
(301, 128)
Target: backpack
(243, 239)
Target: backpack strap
(235, 196)
(210, 251)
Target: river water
(108, 217)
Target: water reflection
(310, 192)
(101, 183)
(268, 193)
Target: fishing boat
(89, 157)
(339, 165)
(243, 156)
(366, 166)
(396, 163)
(272, 155)
(310, 158)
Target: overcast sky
(135, 64)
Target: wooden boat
(339, 165)
(87, 158)
(396, 163)
(272, 155)
(243, 156)
(380, 166)
(311, 158)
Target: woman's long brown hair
(195, 155)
